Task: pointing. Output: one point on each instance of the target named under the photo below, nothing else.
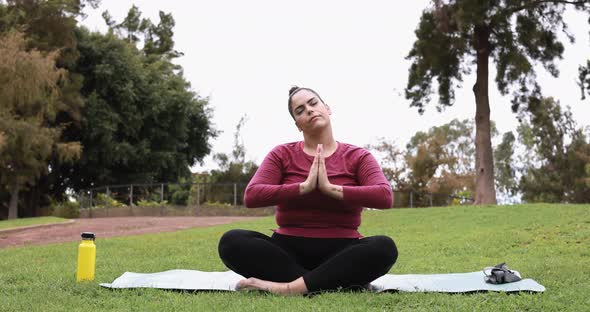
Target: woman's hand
(311, 182)
(324, 184)
(318, 177)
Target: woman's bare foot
(297, 287)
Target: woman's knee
(229, 241)
(385, 248)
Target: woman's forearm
(265, 195)
(334, 191)
(378, 196)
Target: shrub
(101, 200)
(149, 203)
(180, 197)
(67, 209)
(217, 204)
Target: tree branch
(535, 3)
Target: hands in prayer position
(318, 178)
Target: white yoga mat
(199, 280)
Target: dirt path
(107, 227)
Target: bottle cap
(88, 235)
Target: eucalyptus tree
(455, 37)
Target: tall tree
(555, 172)
(584, 79)
(140, 123)
(504, 165)
(28, 105)
(49, 26)
(455, 35)
(234, 168)
(157, 39)
(2, 141)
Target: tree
(437, 161)
(50, 26)
(556, 170)
(504, 165)
(140, 123)
(234, 168)
(441, 159)
(157, 39)
(393, 163)
(2, 141)
(454, 35)
(584, 79)
(29, 84)
(132, 24)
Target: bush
(180, 197)
(101, 199)
(462, 198)
(149, 203)
(67, 209)
(217, 204)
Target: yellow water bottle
(86, 258)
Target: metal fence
(174, 199)
(160, 199)
(415, 199)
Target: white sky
(245, 55)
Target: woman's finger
(322, 167)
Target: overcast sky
(245, 55)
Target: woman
(320, 186)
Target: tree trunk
(35, 197)
(485, 191)
(30, 202)
(13, 206)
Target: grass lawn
(549, 243)
(7, 224)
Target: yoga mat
(446, 283)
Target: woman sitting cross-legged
(319, 186)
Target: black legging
(324, 263)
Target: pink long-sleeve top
(314, 214)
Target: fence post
(411, 199)
(130, 207)
(161, 198)
(235, 195)
(394, 197)
(198, 198)
(106, 203)
(131, 196)
(81, 199)
(90, 209)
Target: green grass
(549, 243)
(7, 224)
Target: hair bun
(293, 89)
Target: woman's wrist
(334, 191)
(303, 188)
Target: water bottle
(86, 258)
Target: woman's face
(309, 111)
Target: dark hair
(296, 89)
